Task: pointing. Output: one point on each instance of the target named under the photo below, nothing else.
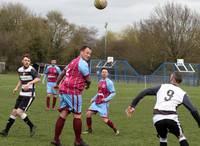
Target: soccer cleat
(117, 132)
(56, 143)
(3, 133)
(47, 108)
(82, 143)
(88, 131)
(53, 108)
(32, 131)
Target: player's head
(53, 62)
(176, 78)
(85, 52)
(104, 73)
(26, 60)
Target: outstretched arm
(140, 96)
(188, 104)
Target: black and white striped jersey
(26, 75)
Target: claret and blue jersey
(51, 73)
(106, 91)
(72, 86)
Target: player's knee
(14, 112)
(48, 95)
(77, 116)
(63, 114)
(19, 112)
(105, 120)
(88, 114)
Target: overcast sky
(118, 14)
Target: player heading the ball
(75, 78)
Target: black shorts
(167, 125)
(24, 102)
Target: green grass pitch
(137, 131)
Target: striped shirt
(26, 75)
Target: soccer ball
(100, 4)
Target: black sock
(163, 144)
(28, 122)
(10, 122)
(184, 143)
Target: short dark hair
(27, 55)
(178, 76)
(104, 69)
(84, 47)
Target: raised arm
(140, 96)
(188, 104)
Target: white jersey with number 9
(169, 97)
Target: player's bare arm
(17, 87)
(59, 79)
(36, 80)
(88, 82)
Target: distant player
(100, 102)
(28, 76)
(168, 98)
(51, 73)
(75, 78)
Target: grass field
(137, 131)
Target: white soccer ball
(100, 4)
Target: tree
(60, 33)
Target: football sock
(48, 102)
(27, 121)
(89, 122)
(54, 102)
(110, 124)
(58, 128)
(163, 144)
(184, 143)
(77, 124)
(10, 122)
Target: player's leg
(59, 127)
(93, 109)
(162, 132)
(89, 114)
(10, 122)
(107, 121)
(23, 107)
(64, 112)
(48, 96)
(54, 94)
(103, 112)
(77, 121)
(11, 119)
(175, 128)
